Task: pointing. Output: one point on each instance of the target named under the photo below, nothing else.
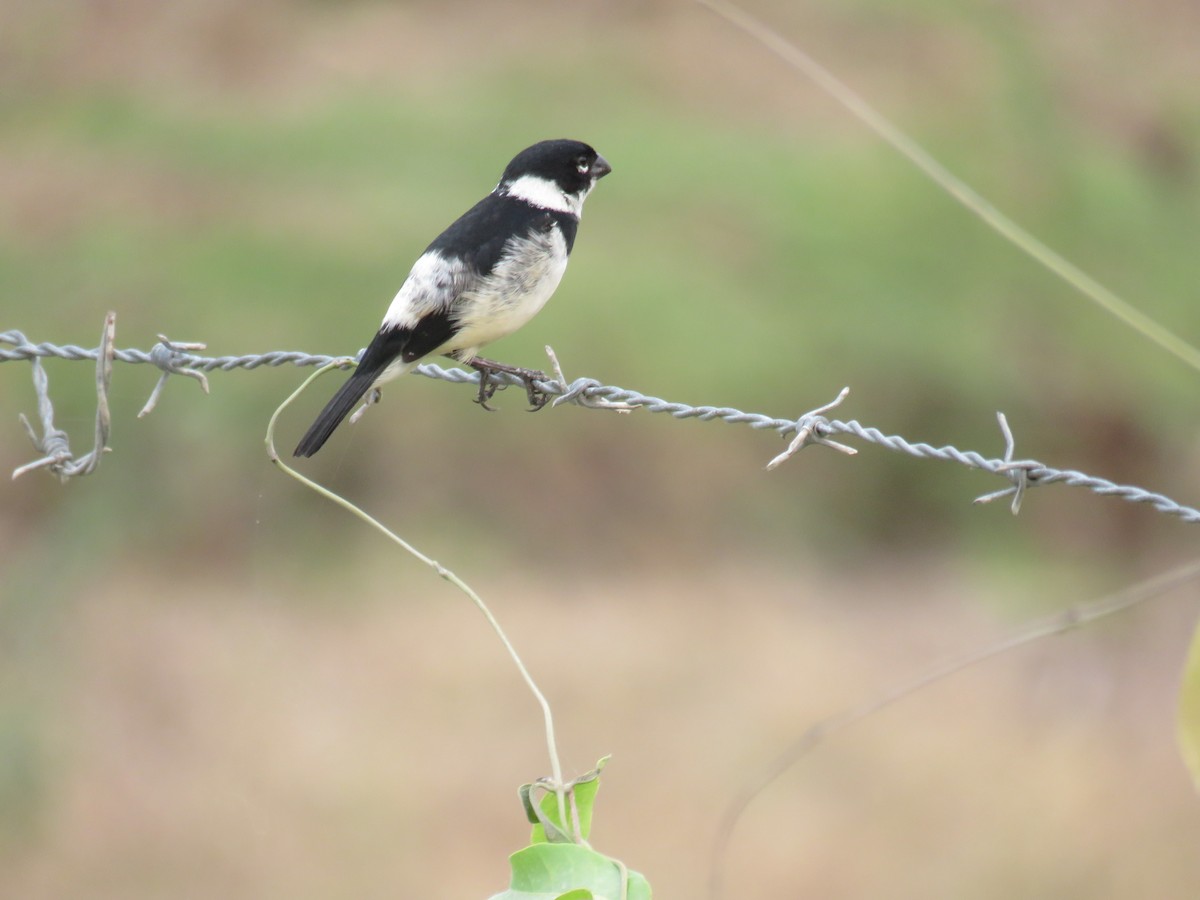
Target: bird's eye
(582, 165)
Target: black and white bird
(481, 279)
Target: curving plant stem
(442, 571)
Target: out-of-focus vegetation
(734, 258)
(260, 176)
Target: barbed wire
(813, 427)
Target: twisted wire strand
(814, 427)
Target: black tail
(335, 410)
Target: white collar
(544, 194)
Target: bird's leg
(537, 397)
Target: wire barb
(1017, 471)
(53, 443)
(374, 395)
(171, 356)
(577, 391)
(808, 431)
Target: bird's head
(554, 175)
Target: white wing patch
(433, 283)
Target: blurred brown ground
(240, 748)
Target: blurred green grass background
(261, 177)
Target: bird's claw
(487, 389)
(536, 396)
(529, 378)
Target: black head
(572, 166)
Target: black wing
(479, 236)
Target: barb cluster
(52, 444)
(175, 358)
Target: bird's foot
(528, 377)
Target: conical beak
(600, 167)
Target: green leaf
(582, 788)
(585, 798)
(1189, 711)
(553, 867)
(568, 872)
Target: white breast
(512, 294)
